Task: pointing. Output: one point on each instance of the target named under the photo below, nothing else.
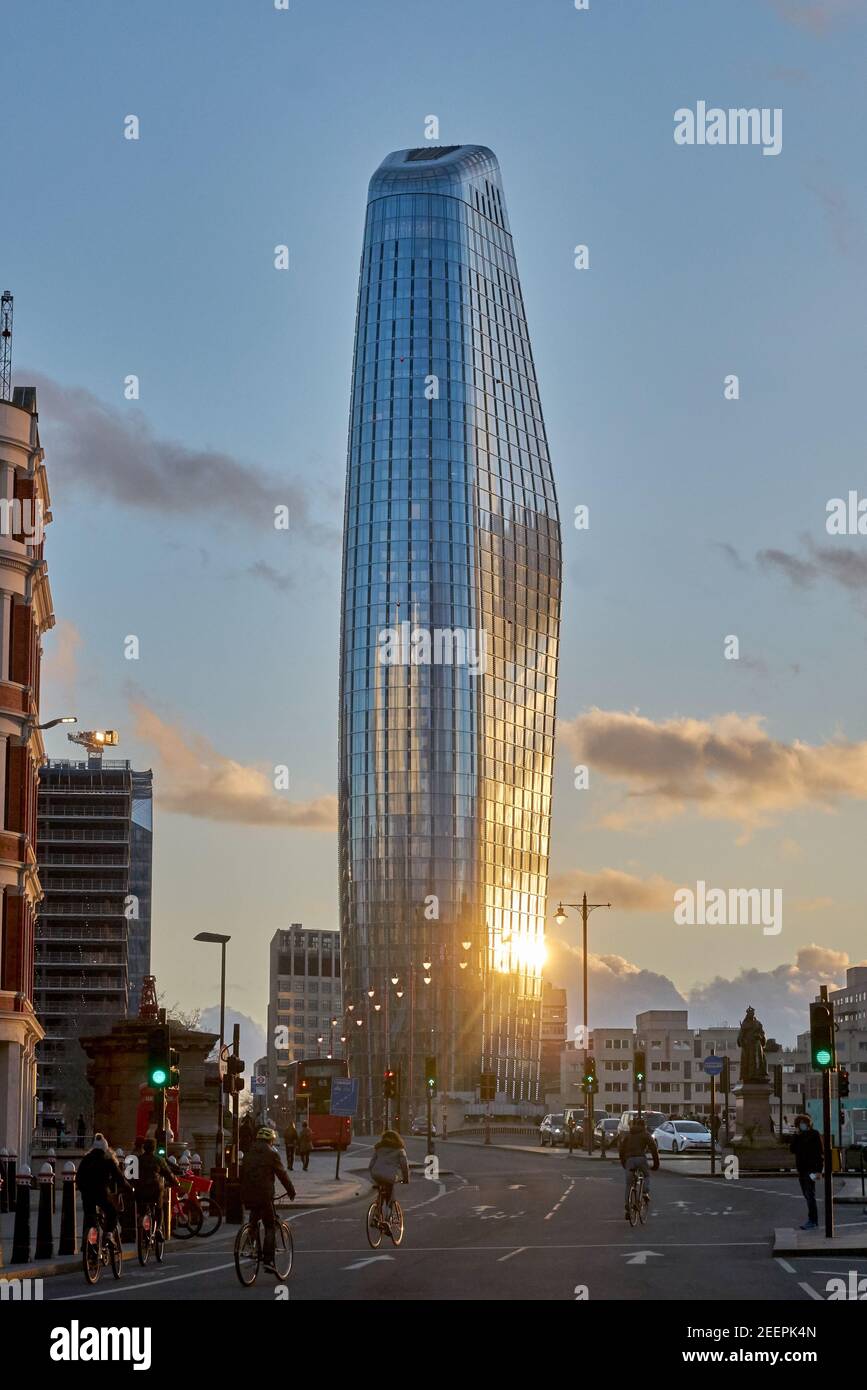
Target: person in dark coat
(290, 1139)
(246, 1134)
(99, 1178)
(806, 1145)
(305, 1145)
(258, 1171)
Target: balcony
(79, 910)
(94, 861)
(85, 885)
(44, 933)
(54, 835)
(44, 962)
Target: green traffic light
(823, 1057)
(159, 1076)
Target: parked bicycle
(249, 1250)
(101, 1247)
(194, 1211)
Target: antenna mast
(6, 346)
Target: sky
(154, 258)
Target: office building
(304, 1001)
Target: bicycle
(378, 1225)
(638, 1201)
(199, 1214)
(101, 1248)
(249, 1250)
(149, 1234)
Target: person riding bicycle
(388, 1166)
(633, 1147)
(100, 1180)
(258, 1171)
(154, 1175)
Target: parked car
(678, 1136)
(552, 1130)
(419, 1126)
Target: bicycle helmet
(270, 1135)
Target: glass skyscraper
(449, 643)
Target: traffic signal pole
(827, 1138)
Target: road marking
(120, 1287)
(512, 1253)
(372, 1260)
(811, 1291)
(516, 1186)
(559, 1204)
(784, 1264)
(641, 1256)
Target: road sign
(344, 1095)
(713, 1065)
(259, 1085)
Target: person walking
(246, 1134)
(806, 1144)
(290, 1139)
(305, 1145)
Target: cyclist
(154, 1174)
(99, 1179)
(633, 1147)
(388, 1166)
(258, 1171)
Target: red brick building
(25, 614)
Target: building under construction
(94, 845)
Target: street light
(220, 940)
(585, 909)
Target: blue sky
(155, 257)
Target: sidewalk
(846, 1241)
(315, 1188)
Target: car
(607, 1128)
(419, 1127)
(552, 1130)
(652, 1119)
(678, 1136)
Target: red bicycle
(194, 1211)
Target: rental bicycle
(194, 1211)
(638, 1201)
(250, 1248)
(378, 1224)
(149, 1233)
(101, 1247)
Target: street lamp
(585, 909)
(220, 940)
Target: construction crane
(6, 346)
(95, 740)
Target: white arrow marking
(373, 1259)
(516, 1186)
(640, 1257)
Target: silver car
(552, 1130)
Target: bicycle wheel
(632, 1204)
(91, 1255)
(395, 1225)
(144, 1237)
(159, 1244)
(115, 1253)
(248, 1254)
(644, 1207)
(374, 1230)
(284, 1250)
(212, 1216)
(186, 1221)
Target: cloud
(844, 565)
(730, 553)
(253, 1041)
(817, 16)
(631, 894)
(278, 581)
(195, 780)
(618, 990)
(844, 224)
(115, 454)
(60, 666)
(727, 768)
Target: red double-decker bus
(310, 1081)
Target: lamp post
(585, 909)
(221, 941)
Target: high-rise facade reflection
(449, 642)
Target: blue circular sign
(713, 1065)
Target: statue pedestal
(754, 1142)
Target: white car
(682, 1136)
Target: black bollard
(21, 1234)
(4, 1183)
(68, 1232)
(44, 1224)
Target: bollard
(4, 1181)
(10, 1179)
(44, 1232)
(52, 1159)
(21, 1234)
(234, 1208)
(196, 1163)
(68, 1233)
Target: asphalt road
(507, 1225)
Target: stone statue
(751, 1041)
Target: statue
(751, 1041)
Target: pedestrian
(290, 1139)
(305, 1145)
(246, 1134)
(806, 1145)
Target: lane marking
(559, 1204)
(371, 1260)
(808, 1288)
(784, 1264)
(121, 1287)
(511, 1254)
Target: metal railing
(44, 933)
(96, 861)
(84, 885)
(63, 837)
(79, 910)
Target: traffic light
(159, 1065)
(389, 1085)
(430, 1073)
(822, 1048)
(778, 1081)
(842, 1083)
(161, 1139)
(591, 1081)
(233, 1081)
(174, 1067)
(640, 1068)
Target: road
(516, 1225)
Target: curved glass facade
(449, 643)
